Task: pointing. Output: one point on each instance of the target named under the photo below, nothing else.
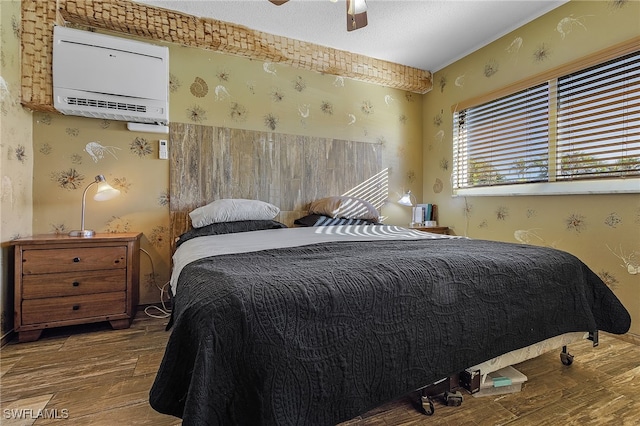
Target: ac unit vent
(101, 76)
(96, 103)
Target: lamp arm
(84, 199)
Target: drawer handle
(76, 307)
(75, 283)
(76, 259)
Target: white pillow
(231, 210)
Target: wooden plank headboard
(209, 163)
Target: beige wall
(213, 89)
(602, 230)
(16, 157)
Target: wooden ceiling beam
(158, 24)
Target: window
(571, 133)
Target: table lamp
(103, 193)
(407, 199)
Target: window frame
(552, 187)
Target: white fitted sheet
(245, 242)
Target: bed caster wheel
(566, 358)
(427, 405)
(453, 399)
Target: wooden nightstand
(433, 229)
(62, 280)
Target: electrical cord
(165, 312)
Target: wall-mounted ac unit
(100, 76)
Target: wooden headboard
(209, 163)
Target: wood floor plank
(148, 363)
(104, 397)
(629, 415)
(30, 377)
(625, 382)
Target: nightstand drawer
(43, 261)
(73, 283)
(73, 307)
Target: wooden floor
(92, 375)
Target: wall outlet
(163, 151)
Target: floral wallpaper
(16, 158)
(602, 230)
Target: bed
(316, 325)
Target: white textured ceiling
(424, 34)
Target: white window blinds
(585, 125)
(505, 141)
(599, 121)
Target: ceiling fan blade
(356, 14)
(278, 2)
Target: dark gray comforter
(318, 334)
